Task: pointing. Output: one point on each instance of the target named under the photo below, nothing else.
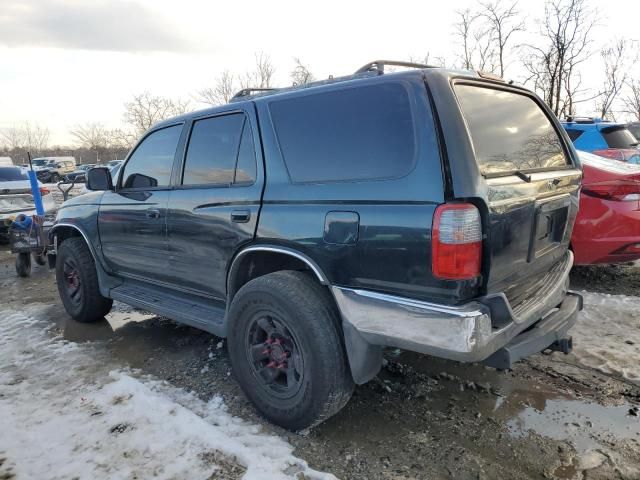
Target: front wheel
(55, 178)
(77, 281)
(287, 350)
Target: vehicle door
(132, 218)
(214, 208)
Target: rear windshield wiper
(523, 176)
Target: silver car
(16, 197)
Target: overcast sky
(67, 62)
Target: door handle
(240, 216)
(153, 213)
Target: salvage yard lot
(138, 396)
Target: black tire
(23, 264)
(77, 281)
(40, 258)
(55, 178)
(304, 375)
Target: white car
(16, 197)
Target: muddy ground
(421, 417)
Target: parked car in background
(16, 197)
(600, 137)
(6, 162)
(54, 168)
(79, 175)
(607, 228)
(113, 163)
(314, 225)
(634, 128)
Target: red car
(607, 228)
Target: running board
(184, 308)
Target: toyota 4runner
(426, 209)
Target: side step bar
(191, 310)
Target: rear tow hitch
(564, 345)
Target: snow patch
(607, 334)
(68, 411)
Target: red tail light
(622, 154)
(456, 242)
(616, 190)
(44, 191)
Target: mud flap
(365, 360)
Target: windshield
(12, 174)
(38, 162)
(619, 137)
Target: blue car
(600, 137)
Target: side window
(574, 134)
(355, 134)
(246, 166)
(150, 164)
(220, 152)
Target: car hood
(89, 198)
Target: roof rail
(245, 92)
(378, 66)
(576, 119)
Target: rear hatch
(529, 187)
(15, 191)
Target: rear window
(12, 174)
(619, 137)
(509, 131)
(363, 133)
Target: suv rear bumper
(464, 333)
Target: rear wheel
(287, 351)
(55, 178)
(77, 281)
(23, 264)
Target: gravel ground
(552, 416)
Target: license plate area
(549, 226)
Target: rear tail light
(616, 190)
(456, 242)
(44, 191)
(622, 154)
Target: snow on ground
(607, 334)
(66, 411)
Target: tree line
(488, 38)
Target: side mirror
(99, 179)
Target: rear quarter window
(509, 131)
(364, 133)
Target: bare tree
(631, 101)
(13, 138)
(223, 89)
(91, 135)
(566, 29)
(301, 75)
(463, 31)
(144, 110)
(478, 49)
(261, 75)
(503, 22)
(617, 61)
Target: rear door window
(213, 150)
(619, 137)
(355, 134)
(509, 131)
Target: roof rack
(378, 66)
(245, 92)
